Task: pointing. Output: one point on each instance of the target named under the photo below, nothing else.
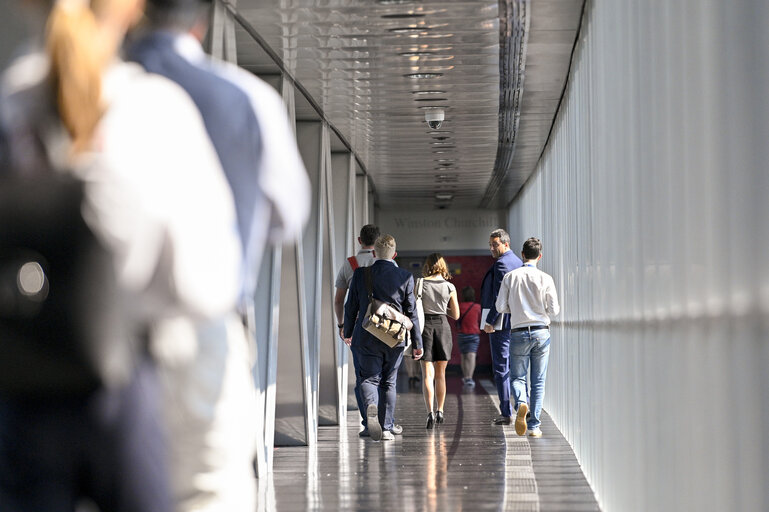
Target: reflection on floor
(466, 464)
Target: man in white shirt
(365, 257)
(529, 295)
(211, 408)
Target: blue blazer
(492, 282)
(390, 284)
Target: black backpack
(63, 329)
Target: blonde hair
(435, 264)
(384, 247)
(77, 63)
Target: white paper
(497, 325)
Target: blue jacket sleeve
(496, 282)
(352, 305)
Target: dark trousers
(108, 446)
(500, 360)
(356, 388)
(376, 372)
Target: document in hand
(497, 324)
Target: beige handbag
(389, 325)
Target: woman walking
(439, 300)
(468, 333)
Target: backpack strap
(420, 286)
(353, 262)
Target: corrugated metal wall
(652, 202)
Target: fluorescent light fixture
(415, 54)
(444, 196)
(423, 75)
(409, 30)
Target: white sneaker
(372, 422)
(537, 432)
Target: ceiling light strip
(287, 75)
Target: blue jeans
(530, 348)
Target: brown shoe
(520, 419)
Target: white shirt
(365, 258)
(528, 294)
(283, 179)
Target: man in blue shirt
(497, 325)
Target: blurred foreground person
(156, 198)
(210, 402)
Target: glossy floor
(466, 464)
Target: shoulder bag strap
(466, 312)
(420, 285)
(353, 262)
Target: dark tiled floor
(467, 464)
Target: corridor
(629, 136)
(467, 464)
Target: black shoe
(430, 421)
(504, 420)
(439, 417)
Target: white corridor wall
(652, 202)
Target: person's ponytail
(76, 68)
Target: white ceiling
(352, 58)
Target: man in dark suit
(376, 364)
(496, 324)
